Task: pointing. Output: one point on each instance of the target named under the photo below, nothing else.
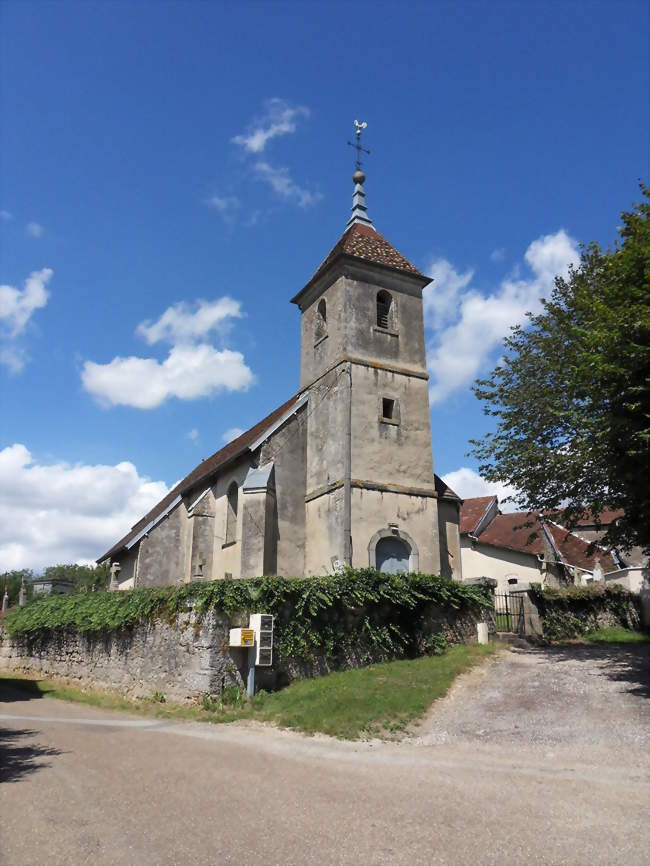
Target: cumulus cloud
(498, 255)
(183, 323)
(232, 433)
(193, 435)
(278, 118)
(58, 512)
(281, 182)
(468, 325)
(467, 483)
(34, 230)
(188, 372)
(17, 306)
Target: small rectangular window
(388, 408)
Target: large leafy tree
(572, 393)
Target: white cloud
(232, 433)
(279, 118)
(17, 307)
(467, 483)
(441, 296)
(5, 216)
(498, 255)
(34, 230)
(59, 513)
(459, 348)
(184, 323)
(280, 181)
(193, 434)
(188, 372)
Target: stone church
(340, 474)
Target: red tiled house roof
(471, 512)
(574, 550)
(201, 472)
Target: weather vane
(358, 128)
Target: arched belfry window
(321, 319)
(231, 514)
(384, 310)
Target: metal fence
(509, 612)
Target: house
(520, 547)
(342, 472)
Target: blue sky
(194, 154)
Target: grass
(379, 700)
(616, 634)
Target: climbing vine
(379, 615)
(573, 611)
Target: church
(342, 473)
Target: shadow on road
(625, 663)
(18, 689)
(19, 757)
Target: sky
(172, 173)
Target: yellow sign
(247, 637)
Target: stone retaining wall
(190, 657)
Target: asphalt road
(535, 758)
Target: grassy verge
(616, 634)
(380, 700)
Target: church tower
(370, 491)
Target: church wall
(403, 345)
(227, 557)
(449, 532)
(318, 354)
(417, 516)
(128, 560)
(384, 452)
(326, 430)
(324, 532)
(202, 522)
(164, 552)
(287, 449)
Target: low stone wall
(559, 614)
(190, 657)
(182, 660)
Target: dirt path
(537, 758)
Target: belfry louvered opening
(384, 309)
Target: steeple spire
(359, 210)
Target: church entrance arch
(393, 551)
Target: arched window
(321, 319)
(231, 515)
(384, 309)
(392, 555)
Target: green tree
(572, 394)
(86, 578)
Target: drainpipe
(347, 477)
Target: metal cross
(358, 128)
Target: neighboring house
(520, 547)
(341, 473)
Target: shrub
(573, 611)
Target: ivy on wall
(379, 615)
(573, 611)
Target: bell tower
(370, 492)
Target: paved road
(539, 757)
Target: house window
(231, 514)
(321, 319)
(384, 310)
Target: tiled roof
(522, 531)
(606, 516)
(510, 532)
(202, 471)
(363, 242)
(574, 549)
(472, 510)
